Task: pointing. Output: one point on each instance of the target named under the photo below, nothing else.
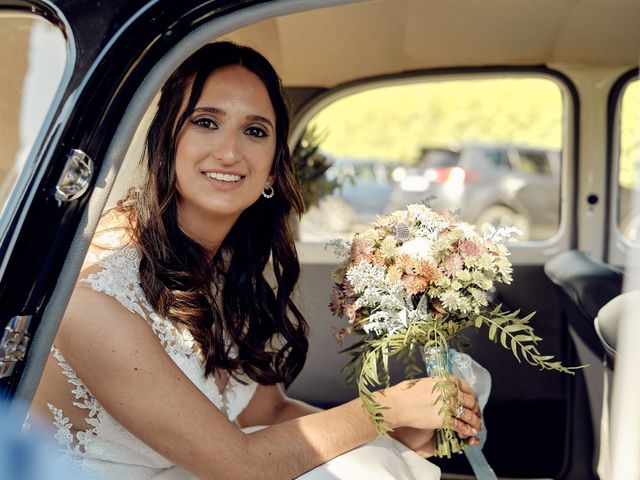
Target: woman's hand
(420, 441)
(412, 403)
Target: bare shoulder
(115, 352)
(95, 323)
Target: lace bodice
(106, 450)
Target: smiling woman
(174, 340)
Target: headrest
(608, 318)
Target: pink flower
(336, 301)
(414, 284)
(350, 312)
(360, 246)
(469, 248)
(452, 264)
(340, 333)
(448, 216)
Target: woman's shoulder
(112, 263)
(115, 274)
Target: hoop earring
(268, 191)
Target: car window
(437, 157)
(499, 158)
(535, 162)
(479, 146)
(629, 161)
(32, 60)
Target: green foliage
(517, 335)
(397, 122)
(312, 167)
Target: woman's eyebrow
(219, 111)
(260, 118)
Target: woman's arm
(270, 405)
(126, 368)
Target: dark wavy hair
(237, 318)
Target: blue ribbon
(463, 366)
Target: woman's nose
(227, 148)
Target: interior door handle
(75, 177)
(13, 344)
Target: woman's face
(225, 149)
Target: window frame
(617, 248)
(530, 252)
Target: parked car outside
(364, 192)
(501, 185)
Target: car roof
(400, 35)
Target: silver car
(502, 185)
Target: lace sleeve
(118, 278)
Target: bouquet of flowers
(416, 279)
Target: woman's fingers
(467, 399)
(466, 416)
(465, 428)
(464, 386)
(474, 441)
(409, 405)
(471, 419)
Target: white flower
(501, 234)
(416, 210)
(456, 234)
(418, 247)
(388, 246)
(486, 262)
(382, 322)
(452, 300)
(364, 274)
(479, 296)
(464, 275)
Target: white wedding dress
(107, 451)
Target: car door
(46, 205)
(45, 227)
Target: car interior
(344, 65)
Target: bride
(170, 360)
